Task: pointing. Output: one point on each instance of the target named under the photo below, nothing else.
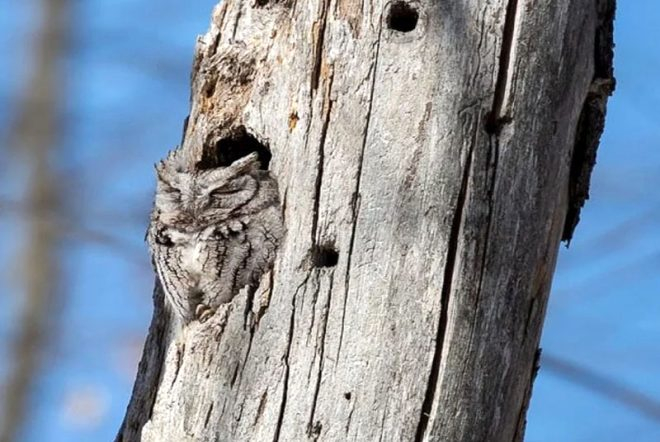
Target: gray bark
(442, 165)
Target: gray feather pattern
(212, 232)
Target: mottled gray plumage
(212, 232)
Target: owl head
(195, 200)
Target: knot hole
(325, 256)
(402, 17)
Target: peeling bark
(430, 156)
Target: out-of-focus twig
(34, 135)
(74, 230)
(602, 385)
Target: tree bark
(430, 157)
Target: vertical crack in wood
(313, 319)
(311, 427)
(350, 416)
(452, 250)
(318, 29)
(208, 414)
(239, 13)
(321, 158)
(492, 162)
(245, 359)
(498, 115)
(219, 20)
(280, 418)
(287, 365)
(355, 200)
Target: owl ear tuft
(248, 163)
(166, 172)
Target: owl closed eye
(212, 232)
(233, 194)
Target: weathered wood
(423, 152)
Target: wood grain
(436, 164)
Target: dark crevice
(262, 3)
(261, 407)
(209, 87)
(452, 250)
(249, 304)
(216, 40)
(314, 431)
(350, 416)
(355, 200)
(324, 256)
(245, 359)
(236, 145)
(208, 415)
(402, 17)
(284, 204)
(239, 14)
(318, 48)
(321, 161)
(496, 118)
(234, 375)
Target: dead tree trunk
(430, 157)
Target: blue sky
(127, 79)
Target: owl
(212, 232)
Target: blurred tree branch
(72, 229)
(35, 134)
(609, 388)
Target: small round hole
(402, 17)
(325, 256)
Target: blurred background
(93, 92)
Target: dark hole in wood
(238, 144)
(493, 125)
(325, 256)
(347, 396)
(209, 88)
(261, 3)
(402, 17)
